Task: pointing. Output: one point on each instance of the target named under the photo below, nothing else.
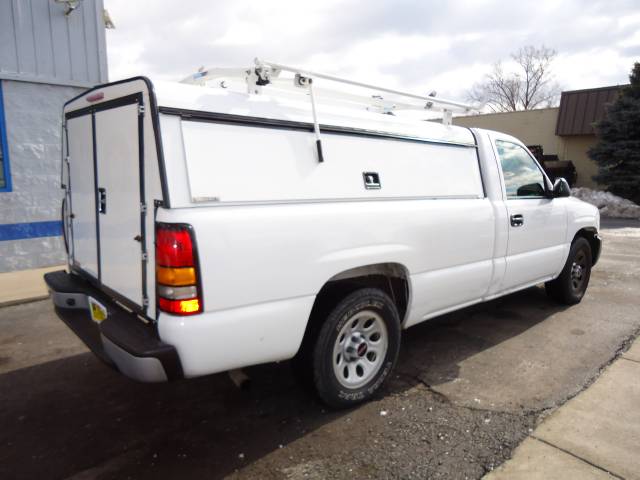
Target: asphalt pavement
(469, 388)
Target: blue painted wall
(21, 231)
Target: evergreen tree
(617, 152)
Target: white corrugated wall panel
(39, 43)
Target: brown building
(566, 131)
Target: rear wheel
(356, 348)
(571, 285)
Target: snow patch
(610, 205)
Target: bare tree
(529, 86)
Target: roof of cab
(497, 135)
(194, 98)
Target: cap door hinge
(141, 109)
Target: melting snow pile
(610, 205)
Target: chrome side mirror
(561, 188)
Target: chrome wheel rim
(360, 349)
(578, 270)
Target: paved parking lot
(470, 386)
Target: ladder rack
(265, 74)
(268, 74)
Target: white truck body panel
(273, 225)
(235, 163)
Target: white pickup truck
(210, 229)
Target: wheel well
(591, 235)
(391, 278)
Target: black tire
(571, 285)
(364, 305)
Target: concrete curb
(593, 435)
(24, 285)
(19, 301)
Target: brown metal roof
(580, 109)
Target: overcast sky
(416, 45)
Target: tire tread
(322, 378)
(560, 288)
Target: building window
(5, 174)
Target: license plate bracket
(97, 310)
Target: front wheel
(571, 285)
(356, 348)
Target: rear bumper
(122, 340)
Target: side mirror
(531, 190)
(561, 188)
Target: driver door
(537, 224)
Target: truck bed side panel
(262, 266)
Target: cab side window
(522, 176)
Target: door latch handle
(102, 200)
(371, 180)
(517, 220)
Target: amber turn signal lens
(176, 277)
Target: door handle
(102, 200)
(517, 220)
(371, 180)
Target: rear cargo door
(82, 200)
(120, 236)
(107, 191)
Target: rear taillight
(176, 270)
